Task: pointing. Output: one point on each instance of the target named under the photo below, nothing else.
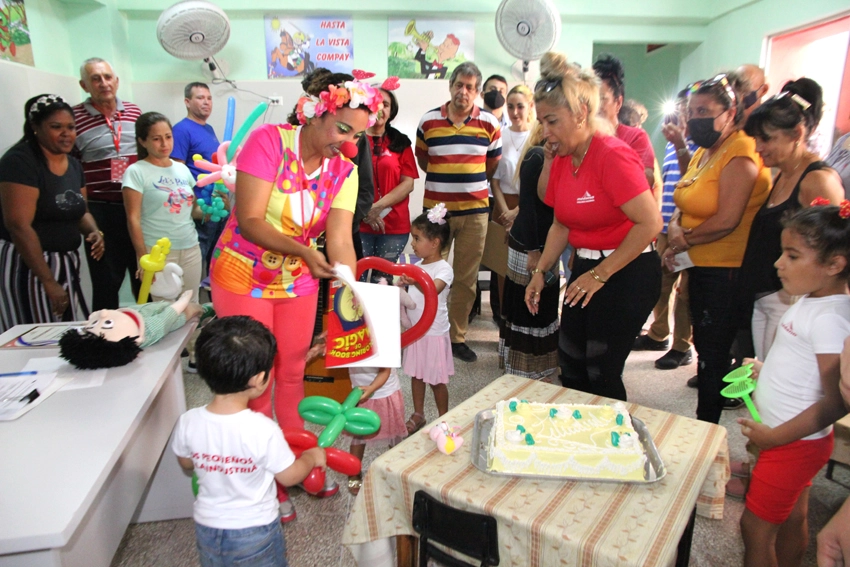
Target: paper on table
(19, 394)
(77, 378)
(683, 262)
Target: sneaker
(693, 381)
(329, 489)
(674, 359)
(463, 352)
(191, 367)
(732, 403)
(287, 511)
(645, 342)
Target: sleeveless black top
(757, 276)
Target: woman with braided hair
(44, 211)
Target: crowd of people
(741, 230)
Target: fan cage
(193, 30)
(540, 16)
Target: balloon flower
(336, 416)
(152, 263)
(220, 168)
(216, 209)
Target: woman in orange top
(716, 200)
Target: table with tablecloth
(549, 522)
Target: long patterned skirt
(23, 298)
(528, 344)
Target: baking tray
(654, 469)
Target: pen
(22, 373)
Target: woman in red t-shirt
(605, 209)
(385, 229)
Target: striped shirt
(95, 146)
(458, 158)
(670, 175)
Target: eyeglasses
(547, 85)
(803, 103)
(723, 80)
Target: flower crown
(843, 207)
(43, 102)
(353, 93)
(437, 214)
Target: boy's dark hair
(432, 229)
(824, 231)
(609, 69)
(231, 350)
(143, 127)
(89, 351)
(783, 112)
(499, 78)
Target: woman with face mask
(716, 200)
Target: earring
(796, 144)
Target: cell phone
(671, 119)
(551, 277)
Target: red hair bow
(362, 75)
(390, 84)
(820, 201)
(844, 209)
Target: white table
(78, 468)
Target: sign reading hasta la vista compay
(296, 46)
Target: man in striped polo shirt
(106, 145)
(458, 147)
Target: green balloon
(319, 404)
(332, 431)
(243, 130)
(366, 420)
(320, 417)
(352, 399)
(195, 484)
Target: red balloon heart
(315, 481)
(343, 462)
(360, 74)
(426, 284)
(299, 438)
(390, 84)
(348, 149)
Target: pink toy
(447, 439)
(224, 170)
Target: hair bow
(820, 202)
(844, 209)
(437, 214)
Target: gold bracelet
(596, 276)
(535, 271)
(100, 232)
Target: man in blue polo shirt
(192, 136)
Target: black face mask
(494, 99)
(702, 132)
(751, 98)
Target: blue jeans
(386, 246)
(260, 546)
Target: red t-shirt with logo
(388, 168)
(589, 202)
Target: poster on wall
(428, 49)
(296, 46)
(15, 33)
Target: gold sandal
(413, 425)
(354, 484)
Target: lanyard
(114, 128)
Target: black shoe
(732, 403)
(693, 381)
(463, 352)
(185, 353)
(674, 359)
(645, 342)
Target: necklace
(522, 135)
(791, 182)
(581, 159)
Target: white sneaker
(191, 367)
(287, 511)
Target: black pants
(595, 341)
(119, 257)
(711, 292)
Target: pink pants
(291, 322)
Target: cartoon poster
(428, 49)
(296, 46)
(15, 33)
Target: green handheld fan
(740, 373)
(742, 388)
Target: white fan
(193, 29)
(527, 29)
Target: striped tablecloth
(543, 522)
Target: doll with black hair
(115, 337)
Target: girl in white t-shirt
(429, 359)
(798, 395)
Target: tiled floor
(313, 539)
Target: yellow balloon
(197, 157)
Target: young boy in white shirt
(238, 453)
